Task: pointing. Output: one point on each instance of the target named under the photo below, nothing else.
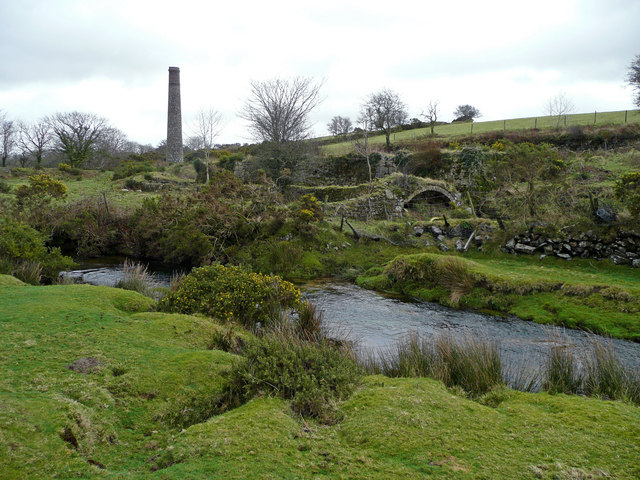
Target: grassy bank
(586, 294)
(118, 419)
(528, 123)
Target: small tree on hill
(431, 115)
(559, 105)
(633, 78)
(466, 113)
(339, 125)
(386, 111)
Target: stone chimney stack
(174, 118)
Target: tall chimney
(174, 118)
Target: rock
(418, 231)
(427, 243)
(85, 365)
(564, 256)
(443, 247)
(548, 249)
(436, 231)
(636, 263)
(606, 215)
(522, 248)
(618, 260)
(542, 255)
(440, 238)
(510, 244)
(460, 245)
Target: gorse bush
(41, 189)
(230, 293)
(314, 376)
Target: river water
(375, 321)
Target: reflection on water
(375, 321)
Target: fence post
(625, 116)
(595, 117)
(565, 120)
(471, 127)
(535, 126)
(504, 126)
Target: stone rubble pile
(459, 233)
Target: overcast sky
(507, 58)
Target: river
(374, 321)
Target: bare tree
(339, 125)
(206, 127)
(633, 79)
(7, 133)
(278, 110)
(77, 134)
(466, 113)
(386, 111)
(33, 139)
(431, 116)
(361, 145)
(559, 105)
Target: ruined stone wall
(622, 249)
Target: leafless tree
(339, 125)
(431, 116)
(559, 105)
(7, 132)
(278, 110)
(386, 111)
(206, 127)
(361, 145)
(33, 139)
(77, 134)
(633, 79)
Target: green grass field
(112, 423)
(458, 129)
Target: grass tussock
(605, 377)
(561, 374)
(472, 365)
(28, 271)
(137, 278)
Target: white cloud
(505, 57)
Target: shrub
(230, 293)
(42, 188)
(628, 189)
(4, 187)
(25, 249)
(129, 168)
(313, 376)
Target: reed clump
(137, 278)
